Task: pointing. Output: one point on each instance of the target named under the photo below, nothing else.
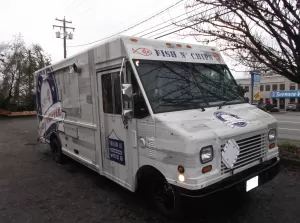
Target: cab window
(111, 93)
(140, 109)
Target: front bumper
(265, 172)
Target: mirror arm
(122, 102)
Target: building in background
(274, 89)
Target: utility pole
(65, 34)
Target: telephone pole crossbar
(64, 27)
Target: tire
(165, 199)
(57, 154)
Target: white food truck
(165, 116)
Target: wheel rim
(165, 196)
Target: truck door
(118, 141)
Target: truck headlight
(272, 134)
(206, 154)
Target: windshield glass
(173, 86)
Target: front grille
(251, 150)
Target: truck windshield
(172, 86)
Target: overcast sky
(92, 20)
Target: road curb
(289, 162)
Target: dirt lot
(33, 188)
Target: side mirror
(128, 113)
(127, 90)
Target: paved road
(34, 189)
(289, 125)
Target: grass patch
(289, 150)
(274, 110)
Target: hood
(223, 123)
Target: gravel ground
(33, 188)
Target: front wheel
(165, 199)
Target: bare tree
(17, 67)
(250, 31)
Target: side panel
(65, 104)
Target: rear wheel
(57, 154)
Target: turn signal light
(272, 145)
(206, 169)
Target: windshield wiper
(201, 107)
(225, 102)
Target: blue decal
(230, 119)
(116, 150)
(47, 102)
(285, 94)
(45, 75)
(255, 87)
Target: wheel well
(147, 173)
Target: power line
(133, 26)
(164, 22)
(71, 4)
(149, 37)
(187, 26)
(80, 4)
(177, 30)
(176, 27)
(177, 22)
(160, 12)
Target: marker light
(179, 45)
(181, 178)
(133, 40)
(180, 169)
(188, 46)
(168, 44)
(206, 169)
(272, 145)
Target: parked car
(293, 107)
(265, 106)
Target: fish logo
(142, 51)
(230, 119)
(217, 56)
